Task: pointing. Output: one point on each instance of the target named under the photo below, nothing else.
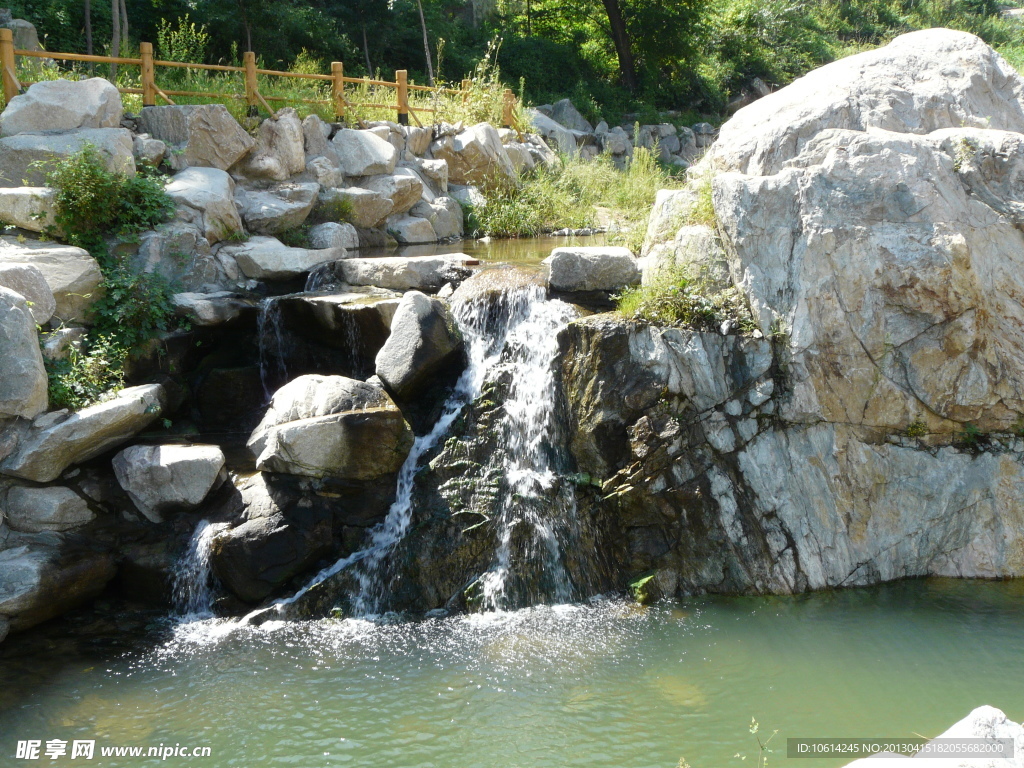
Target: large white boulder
(23, 385)
(403, 188)
(274, 210)
(475, 156)
(444, 214)
(424, 340)
(591, 268)
(23, 156)
(267, 258)
(30, 283)
(410, 230)
(55, 441)
(54, 508)
(202, 134)
(404, 273)
(919, 83)
(168, 478)
(279, 153)
(208, 197)
(333, 234)
(63, 105)
(208, 309)
(331, 426)
(361, 153)
(73, 276)
(29, 208)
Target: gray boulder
(424, 340)
(331, 426)
(202, 134)
(208, 309)
(206, 198)
(63, 105)
(333, 234)
(409, 230)
(558, 137)
(361, 153)
(74, 277)
(267, 258)
(279, 153)
(444, 214)
(168, 478)
(367, 208)
(148, 150)
(29, 208)
(283, 206)
(180, 252)
(281, 531)
(23, 385)
(565, 112)
(475, 156)
(30, 283)
(403, 188)
(592, 268)
(57, 345)
(405, 273)
(57, 440)
(33, 510)
(21, 155)
(41, 577)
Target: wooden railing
(150, 91)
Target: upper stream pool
(603, 685)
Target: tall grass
(567, 194)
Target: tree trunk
(623, 48)
(426, 43)
(529, 19)
(88, 28)
(124, 23)
(366, 53)
(115, 38)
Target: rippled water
(608, 684)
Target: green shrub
(87, 374)
(92, 203)
(135, 308)
(676, 297)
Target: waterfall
(270, 336)
(191, 588)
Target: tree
(621, 41)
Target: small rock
(211, 193)
(332, 234)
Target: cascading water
(191, 587)
(270, 336)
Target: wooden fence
(150, 91)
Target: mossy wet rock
(425, 341)
(197, 135)
(57, 440)
(161, 479)
(331, 426)
(23, 385)
(277, 531)
(63, 105)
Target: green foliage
(917, 428)
(296, 237)
(335, 208)
(676, 297)
(184, 41)
(135, 307)
(87, 374)
(970, 437)
(92, 203)
(565, 196)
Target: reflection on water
(605, 684)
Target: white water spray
(191, 588)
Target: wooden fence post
(402, 78)
(466, 85)
(148, 75)
(251, 84)
(7, 62)
(508, 108)
(338, 89)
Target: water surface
(602, 685)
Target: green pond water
(598, 685)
